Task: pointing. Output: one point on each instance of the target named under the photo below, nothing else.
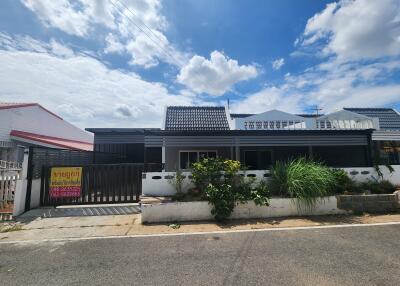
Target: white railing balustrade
(344, 124)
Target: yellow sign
(65, 182)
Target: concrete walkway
(41, 228)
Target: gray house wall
(172, 155)
(335, 148)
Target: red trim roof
(9, 105)
(56, 141)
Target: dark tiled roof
(240, 115)
(389, 119)
(196, 118)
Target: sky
(119, 63)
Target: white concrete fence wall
(360, 174)
(20, 190)
(195, 211)
(158, 183)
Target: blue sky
(118, 63)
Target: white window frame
(197, 151)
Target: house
(30, 124)
(346, 138)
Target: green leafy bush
(342, 183)
(378, 187)
(260, 194)
(303, 179)
(223, 186)
(207, 171)
(222, 199)
(249, 190)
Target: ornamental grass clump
(305, 180)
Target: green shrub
(342, 183)
(260, 194)
(302, 179)
(207, 171)
(386, 187)
(378, 187)
(222, 199)
(222, 185)
(249, 190)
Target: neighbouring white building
(29, 124)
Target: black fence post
(42, 184)
(29, 177)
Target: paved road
(337, 256)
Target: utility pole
(316, 109)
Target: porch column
(163, 156)
(310, 152)
(370, 156)
(237, 149)
(145, 159)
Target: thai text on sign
(65, 182)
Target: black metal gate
(101, 183)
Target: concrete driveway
(82, 210)
(357, 255)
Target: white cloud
(129, 26)
(215, 76)
(62, 14)
(358, 46)
(277, 64)
(113, 45)
(60, 49)
(266, 99)
(335, 84)
(331, 85)
(143, 50)
(124, 110)
(100, 11)
(82, 89)
(360, 29)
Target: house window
(187, 158)
(390, 152)
(257, 159)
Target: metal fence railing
(10, 165)
(59, 157)
(8, 183)
(101, 183)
